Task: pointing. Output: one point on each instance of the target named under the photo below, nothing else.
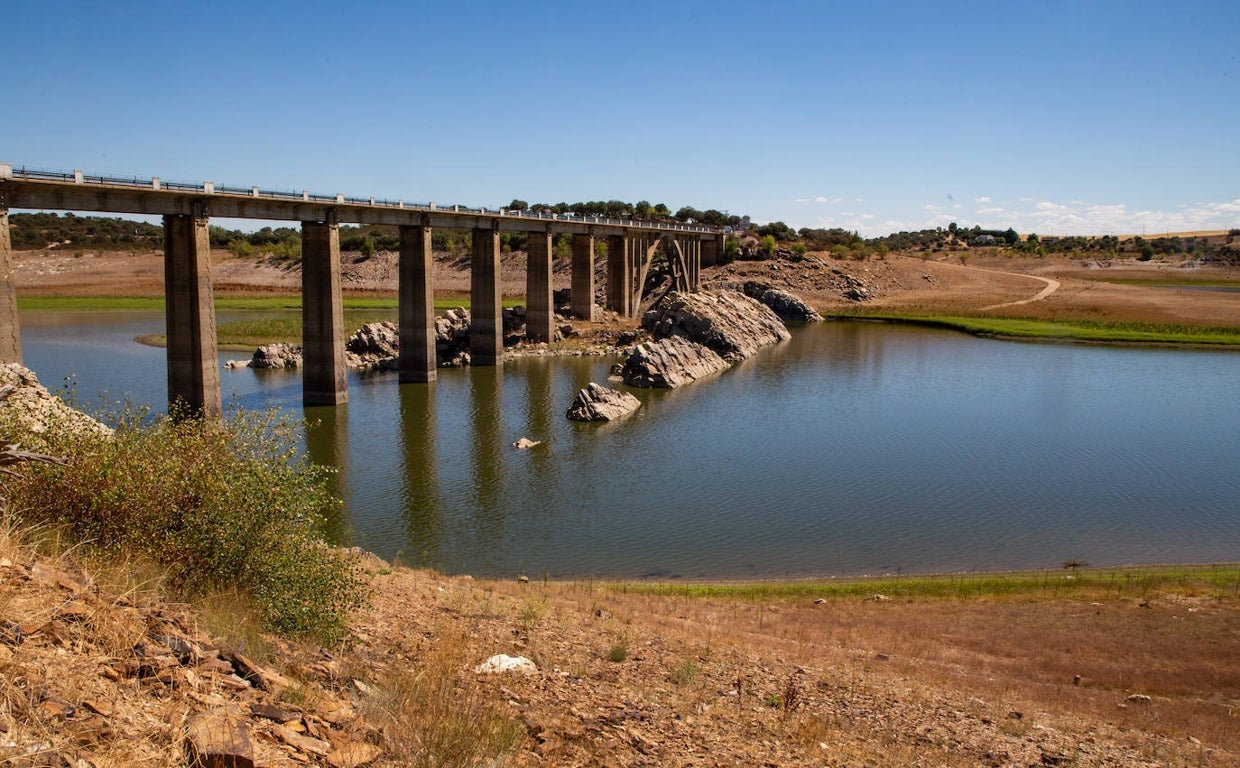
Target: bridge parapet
(78, 191)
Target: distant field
(1159, 235)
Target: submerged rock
(525, 444)
(732, 324)
(599, 403)
(669, 363)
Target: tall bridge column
(583, 276)
(619, 275)
(710, 252)
(189, 316)
(693, 260)
(539, 309)
(416, 305)
(322, 315)
(486, 330)
(10, 330)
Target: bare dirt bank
(943, 285)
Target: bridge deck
(55, 190)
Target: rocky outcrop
(277, 356)
(599, 403)
(373, 346)
(788, 306)
(452, 338)
(669, 363)
(732, 324)
(27, 409)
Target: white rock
(503, 663)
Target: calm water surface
(854, 448)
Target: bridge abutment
(539, 306)
(10, 329)
(189, 316)
(486, 330)
(416, 306)
(322, 315)
(583, 277)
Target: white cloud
(981, 200)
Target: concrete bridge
(193, 362)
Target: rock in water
(376, 340)
(452, 338)
(374, 345)
(599, 403)
(669, 363)
(788, 306)
(732, 324)
(524, 444)
(277, 356)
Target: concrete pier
(539, 306)
(10, 329)
(486, 332)
(583, 276)
(711, 252)
(189, 311)
(322, 315)
(416, 306)
(619, 275)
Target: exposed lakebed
(853, 448)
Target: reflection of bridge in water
(193, 364)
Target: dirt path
(1051, 287)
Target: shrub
(220, 506)
(768, 244)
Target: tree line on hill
(29, 231)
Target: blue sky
(1053, 117)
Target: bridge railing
(208, 188)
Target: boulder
(599, 403)
(452, 338)
(218, 739)
(503, 663)
(30, 410)
(524, 444)
(788, 306)
(669, 363)
(277, 356)
(732, 324)
(374, 345)
(375, 340)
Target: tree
(518, 205)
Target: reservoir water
(854, 448)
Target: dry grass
(887, 681)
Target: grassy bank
(1082, 331)
(222, 303)
(243, 334)
(1078, 583)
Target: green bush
(220, 506)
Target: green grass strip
(1214, 580)
(1115, 332)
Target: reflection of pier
(193, 369)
